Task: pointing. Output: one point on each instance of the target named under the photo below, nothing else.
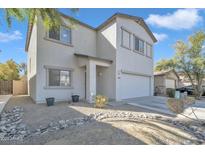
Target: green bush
(170, 92)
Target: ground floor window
(57, 77)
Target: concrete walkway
(3, 100)
(158, 104)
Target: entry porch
(94, 68)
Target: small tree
(189, 59)
(50, 16)
(178, 106)
(9, 71)
(164, 64)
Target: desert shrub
(175, 105)
(100, 101)
(170, 92)
(178, 106)
(189, 101)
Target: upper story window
(149, 50)
(139, 45)
(62, 34)
(126, 39)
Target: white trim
(130, 34)
(140, 52)
(151, 50)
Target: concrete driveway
(158, 104)
(154, 103)
(3, 100)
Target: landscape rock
(12, 126)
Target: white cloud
(6, 37)
(160, 36)
(180, 19)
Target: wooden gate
(6, 87)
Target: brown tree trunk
(197, 92)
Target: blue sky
(168, 25)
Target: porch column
(90, 80)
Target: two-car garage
(134, 85)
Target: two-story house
(114, 59)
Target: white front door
(132, 86)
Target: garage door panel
(170, 83)
(134, 86)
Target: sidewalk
(3, 100)
(158, 104)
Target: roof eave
(139, 20)
(28, 36)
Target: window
(61, 34)
(126, 37)
(59, 78)
(149, 50)
(138, 45)
(54, 33)
(65, 35)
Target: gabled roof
(138, 20)
(164, 72)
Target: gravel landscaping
(112, 125)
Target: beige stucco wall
(32, 67)
(160, 81)
(59, 55)
(159, 84)
(105, 43)
(106, 48)
(128, 59)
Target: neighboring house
(114, 59)
(165, 79)
(184, 80)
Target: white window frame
(130, 34)
(61, 69)
(138, 51)
(151, 54)
(69, 29)
(60, 41)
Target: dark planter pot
(50, 101)
(75, 98)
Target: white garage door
(134, 86)
(170, 83)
